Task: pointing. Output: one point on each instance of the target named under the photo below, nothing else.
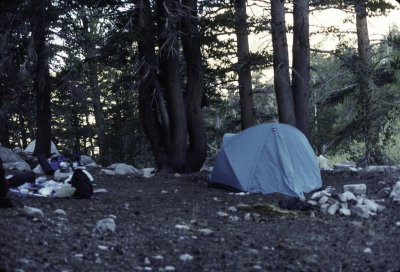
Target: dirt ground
(172, 223)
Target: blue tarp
(267, 158)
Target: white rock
(346, 196)
(32, 211)
(395, 194)
(323, 199)
(177, 175)
(206, 232)
(102, 247)
(344, 211)
(164, 192)
(65, 190)
(169, 268)
(232, 209)
(247, 216)
(182, 227)
(361, 210)
(234, 218)
(333, 208)
(123, 169)
(158, 257)
(60, 212)
(312, 202)
(397, 224)
(107, 172)
(186, 257)
(374, 207)
(148, 172)
(147, 261)
(324, 207)
(106, 224)
(222, 214)
(86, 160)
(320, 194)
(367, 250)
(358, 189)
(97, 191)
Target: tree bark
(283, 89)
(301, 65)
(149, 90)
(197, 150)
(367, 88)
(244, 72)
(170, 82)
(42, 80)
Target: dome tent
(267, 158)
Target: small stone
(102, 247)
(158, 258)
(333, 208)
(169, 268)
(361, 211)
(97, 191)
(323, 199)
(312, 202)
(32, 211)
(164, 192)
(367, 250)
(106, 224)
(320, 194)
(324, 207)
(358, 189)
(182, 227)
(397, 224)
(186, 257)
(60, 212)
(346, 196)
(344, 211)
(234, 218)
(247, 216)
(374, 207)
(395, 194)
(222, 214)
(177, 175)
(232, 209)
(206, 232)
(147, 261)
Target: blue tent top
(267, 158)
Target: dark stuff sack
(81, 182)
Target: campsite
(176, 222)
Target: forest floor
(173, 223)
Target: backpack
(81, 182)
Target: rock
(107, 172)
(97, 191)
(324, 207)
(182, 227)
(361, 211)
(148, 172)
(247, 216)
(60, 212)
(12, 160)
(186, 257)
(177, 175)
(358, 189)
(234, 218)
(66, 190)
(86, 160)
(232, 209)
(320, 194)
(395, 194)
(169, 268)
(346, 196)
(60, 176)
(206, 232)
(312, 202)
(323, 199)
(374, 207)
(32, 211)
(367, 250)
(123, 169)
(222, 214)
(333, 208)
(344, 211)
(106, 224)
(322, 161)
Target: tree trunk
(197, 150)
(367, 88)
(170, 82)
(91, 58)
(283, 89)
(301, 66)
(4, 132)
(243, 69)
(148, 91)
(42, 80)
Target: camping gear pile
(268, 158)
